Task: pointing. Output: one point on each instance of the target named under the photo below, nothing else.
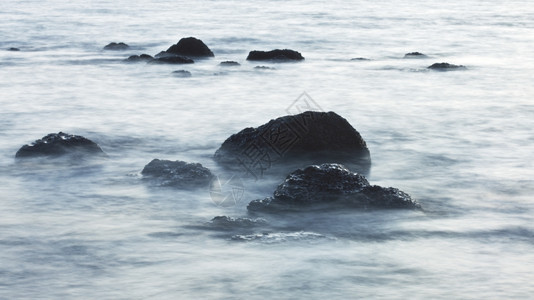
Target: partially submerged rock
(264, 68)
(13, 49)
(175, 60)
(229, 223)
(116, 46)
(277, 55)
(178, 174)
(58, 144)
(330, 186)
(140, 58)
(190, 46)
(296, 140)
(181, 73)
(229, 63)
(360, 59)
(414, 55)
(446, 67)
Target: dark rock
(263, 68)
(13, 49)
(140, 58)
(330, 186)
(360, 59)
(446, 67)
(277, 55)
(228, 223)
(171, 60)
(190, 47)
(229, 64)
(58, 144)
(307, 138)
(415, 55)
(177, 174)
(116, 46)
(181, 73)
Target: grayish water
(460, 142)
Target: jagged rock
(139, 58)
(116, 46)
(176, 60)
(181, 73)
(13, 49)
(277, 54)
(446, 67)
(330, 186)
(58, 144)
(229, 64)
(292, 141)
(178, 174)
(414, 55)
(190, 46)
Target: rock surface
(330, 186)
(229, 63)
(116, 46)
(140, 58)
(414, 55)
(175, 60)
(178, 174)
(58, 144)
(190, 46)
(307, 138)
(277, 54)
(446, 67)
(181, 73)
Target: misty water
(459, 142)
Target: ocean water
(459, 142)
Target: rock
(177, 174)
(190, 47)
(330, 186)
(446, 67)
(228, 223)
(360, 59)
(13, 49)
(181, 73)
(229, 64)
(176, 60)
(139, 58)
(116, 46)
(277, 54)
(415, 55)
(263, 68)
(307, 138)
(58, 144)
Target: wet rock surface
(175, 60)
(58, 144)
(116, 46)
(277, 55)
(330, 186)
(446, 67)
(190, 46)
(140, 58)
(177, 174)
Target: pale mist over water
(459, 142)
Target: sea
(459, 142)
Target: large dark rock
(330, 186)
(415, 55)
(58, 144)
(140, 58)
(116, 46)
(446, 67)
(277, 54)
(175, 60)
(190, 46)
(177, 174)
(294, 141)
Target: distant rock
(228, 223)
(307, 138)
(446, 67)
(264, 68)
(330, 186)
(181, 73)
(360, 59)
(13, 49)
(190, 46)
(175, 60)
(415, 55)
(277, 55)
(116, 46)
(58, 144)
(229, 64)
(140, 58)
(177, 174)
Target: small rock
(190, 46)
(13, 49)
(58, 144)
(415, 55)
(263, 68)
(140, 58)
(360, 59)
(177, 174)
(175, 60)
(116, 46)
(446, 67)
(181, 73)
(277, 55)
(229, 64)
(226, 223)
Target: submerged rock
(307, 138)
(446, 67)
(228, 223)
(178, 174)
(330, 186)
(360, 59)
(140, 58)
(13, 49)
(229, 63)
(181, 73)
(277, 54)
(264, 68)
(190, 46)
(58, 144)
(414, 55)
(116, 46)
(175, 60)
